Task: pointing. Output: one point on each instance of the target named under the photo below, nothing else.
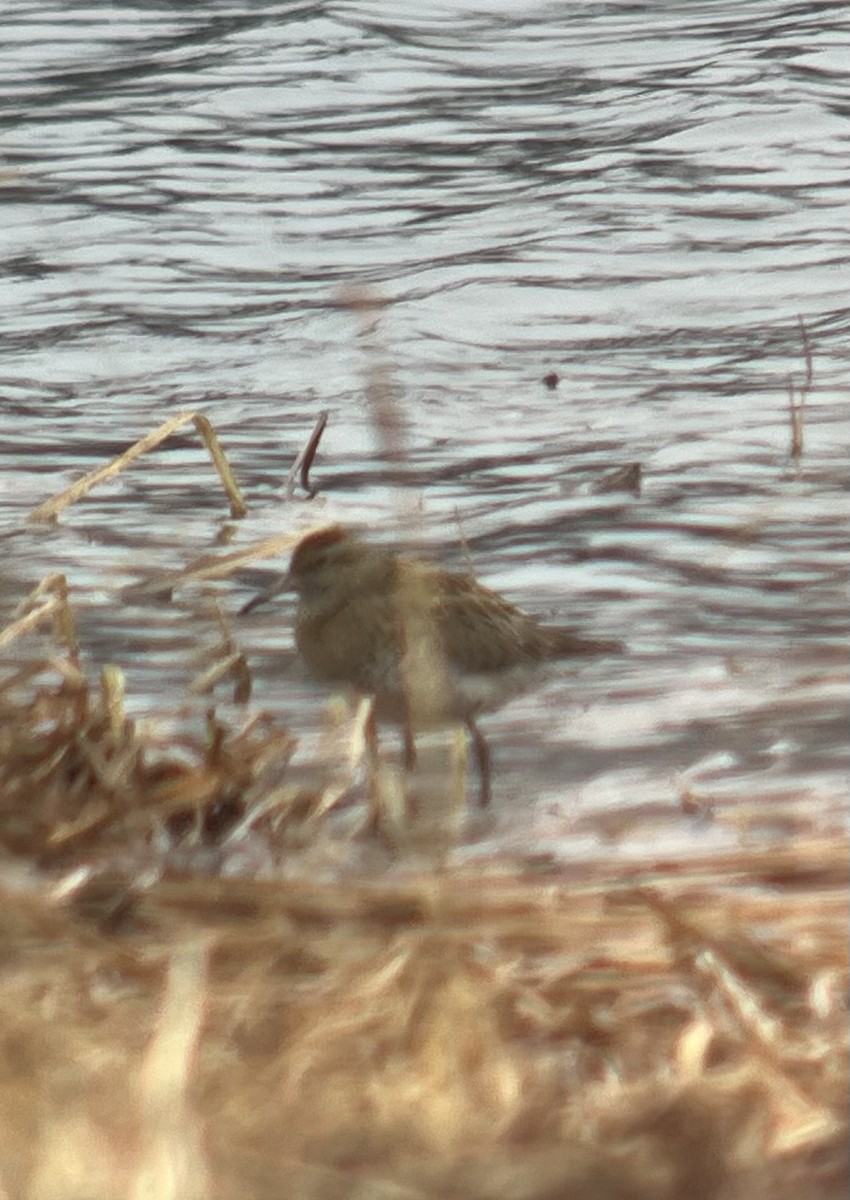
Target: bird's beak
(282, 584)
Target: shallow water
(650, 202)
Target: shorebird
(430, 646)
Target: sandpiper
(430, 646)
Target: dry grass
(444, 1036)
(51, 509)
(169, 1031)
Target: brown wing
(482, 632)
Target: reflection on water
(646, 203)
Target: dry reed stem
(173, 1163)
(387, 416)
(300, 472)
(423, 665)
(796, 411)
(56, 607)
(222, 466)
(807, 354)
(221, 566)
(627, 478)
(797, 400)
(51, 509)
(226, 661)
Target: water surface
(649, 202)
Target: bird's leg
(409, 752)
(370, 741)
(482, 760)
